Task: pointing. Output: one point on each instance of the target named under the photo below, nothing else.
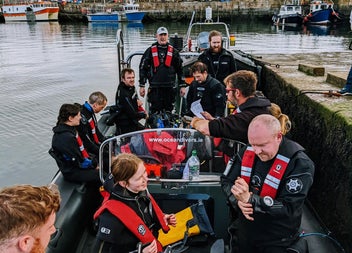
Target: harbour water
(44, 65)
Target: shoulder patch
(294, 185)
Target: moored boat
(131, 12)
(322, 13)
(30, 11)
(290, 14)
(102, 14)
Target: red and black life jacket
(81, 146)
(131, 220)
(170, 50)
(272, 179)
(94, 132)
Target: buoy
(232, 40)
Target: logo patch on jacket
(141, 229)
(294, 185)
(105, 230)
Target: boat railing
(120, 50)
(166, 149)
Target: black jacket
(235, 126)
(126, 102)
(162, 76)
(120, 239)
(219, 65)
(85, 130)
(277, 224)
(212, 94)
(65, 144)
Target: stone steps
(336, 78)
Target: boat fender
(189, 43)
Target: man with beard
(241, 91)
(27, 217)
(220, 61)
(161, 65)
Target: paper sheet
(197, 108)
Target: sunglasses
(230, 89)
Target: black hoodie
(235, 126)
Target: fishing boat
(131, 12)
(30, 11)
(102, 14)
(322, 13)
(290, 14)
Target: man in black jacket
(129, 107)
(267, 186)
(88, 127)
(161, 65)
(240, 88)
(220, 61)
(209, 90)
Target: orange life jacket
(272, 179)
(155, 55)
(131, 220)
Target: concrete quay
(322, 123)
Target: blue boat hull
(103, 17)
(135, 16)
(322, 17)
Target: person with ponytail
(73, 159)
(284, 120)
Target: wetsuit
(163, 79)
(113, 235)
(128, 116)
(73, 165)
(277, 220)
(91, 141)
(235, 126)
(220, 65)
(212, 94)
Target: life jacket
(81, 146)
(131, 220)
(155, 55)
(92, 123)
(94, 133)
(272, 179)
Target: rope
(303, 234)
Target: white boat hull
(43, 11)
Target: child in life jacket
(129, 214)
